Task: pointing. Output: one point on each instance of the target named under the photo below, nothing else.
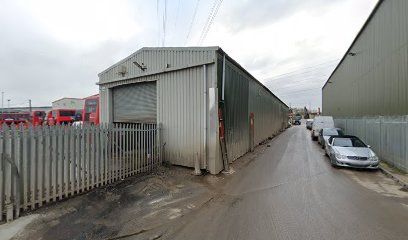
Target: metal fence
(44, 164)
(388, 136)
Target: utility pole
(29, 105)
(2, 103)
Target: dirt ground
(139, 206)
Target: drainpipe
(205, 115)
(224, 143)
(223, 79)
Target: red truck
(37, 117)
(90, 113)
(60, 116)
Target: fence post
(1, 169)
(381, 136)
(405, 158)
(8, 205)
(159, 143)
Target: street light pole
(2, 103)
(8, 104)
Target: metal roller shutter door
(135, 103)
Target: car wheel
(333, 164)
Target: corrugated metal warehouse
(367, 93)
(182, 89)
(372, 77)
(68, 103)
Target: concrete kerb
(394, 177)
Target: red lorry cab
(91, 110)
(37, 117)
(60, 116)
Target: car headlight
(339, 156)
(373, 158)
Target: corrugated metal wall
(375, 80)
(236, 111)
(182, 113)
(244, 95)
(270, 115)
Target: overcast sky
(51, 49)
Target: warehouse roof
(377, 6)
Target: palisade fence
(388, 136)
(44, 164)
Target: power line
(164, 23)
(299, 91)
(298, 71)
(210, 19)
(302, 81)
(158, 23)
(177, 13)
(192, 21)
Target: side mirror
(368, 146)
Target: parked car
(297, 119)
(319, 123)
(309, 124)
(326, 133)
(350, 151)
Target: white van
(319, 123)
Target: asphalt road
(290, 191)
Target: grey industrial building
(367, 93)
(183, 89)
(372, 77)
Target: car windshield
(332, 132)
(348, 142)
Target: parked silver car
(350, 151)
(326, 133)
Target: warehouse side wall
(243, 96)
(270, 116)
(236, 111)
(375, 80)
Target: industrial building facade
(372, 77)
(183, 89)
(68, 103)
(367, 94)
